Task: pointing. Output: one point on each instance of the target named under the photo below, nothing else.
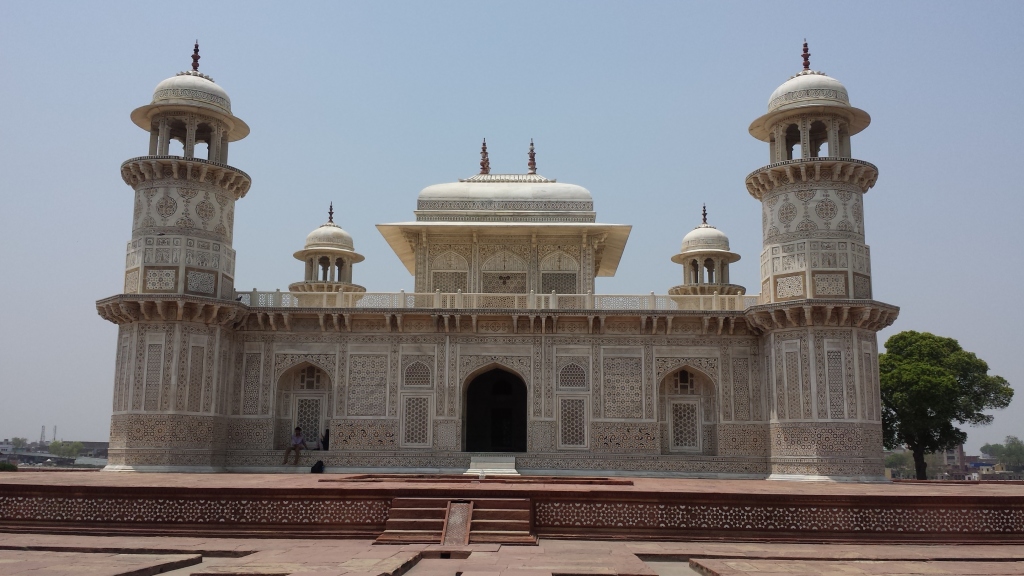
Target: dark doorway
(496, 413)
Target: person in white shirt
(297, 444)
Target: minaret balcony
(152, 168)
(762, 181)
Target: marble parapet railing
(825, 169)
(531, 301)
(149, 168)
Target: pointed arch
(500, 364)
(285, 362)
(504, 261)
(573, 376)
(449, 260)
(559, 261)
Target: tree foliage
(901, 463)
(19, 443)
(930, 385)
(1010, 453)
(65, 449)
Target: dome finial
(330, 213)
(807, 56)
(704, 213)
(195, 57)
(532, 164)
(485, 162)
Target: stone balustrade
(531, 301)
(150, 168)
(824, 169)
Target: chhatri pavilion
(504, 350)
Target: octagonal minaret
(816, 313)
(184, 204)
(812, 192)
(177, 314)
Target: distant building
(6, 447)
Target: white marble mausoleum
(503, 348)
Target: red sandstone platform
(358, 506)
(46, 555)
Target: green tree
(19, 443)
(993, 450)
(1012, 453)
(901, 463)
(65, 449)
(929, 385)
(73, 449)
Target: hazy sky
(646, 104)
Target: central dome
(505, 196)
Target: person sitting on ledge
(298, 443)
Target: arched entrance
(496, 413)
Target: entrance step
(502, 521)
(455, 522)
(414, 521)
(492, 466)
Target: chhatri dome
(705, 257)
(808, 91)
(328, 255)
(185, 92)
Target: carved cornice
(865, 314)
(763, 180)
(128, 308)
(192, 170)
(538, 322)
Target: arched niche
(688, 411)
(504, 273)
(304, 397)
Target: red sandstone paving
(889, 568)
(305, 480)
(356, 557)
(19, 562)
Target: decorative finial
(807, 56)
(330, 213)
(195, 57)
(532, 165)
(485, 162)
(704, 213)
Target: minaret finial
(195, 57)
(485, 162)
(807, 56)
(704, 213)
(532, 164)
(330, 213)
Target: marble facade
(704, 380)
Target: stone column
(164, 139)
(216, 135)
(190, 137)
(833, 137)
